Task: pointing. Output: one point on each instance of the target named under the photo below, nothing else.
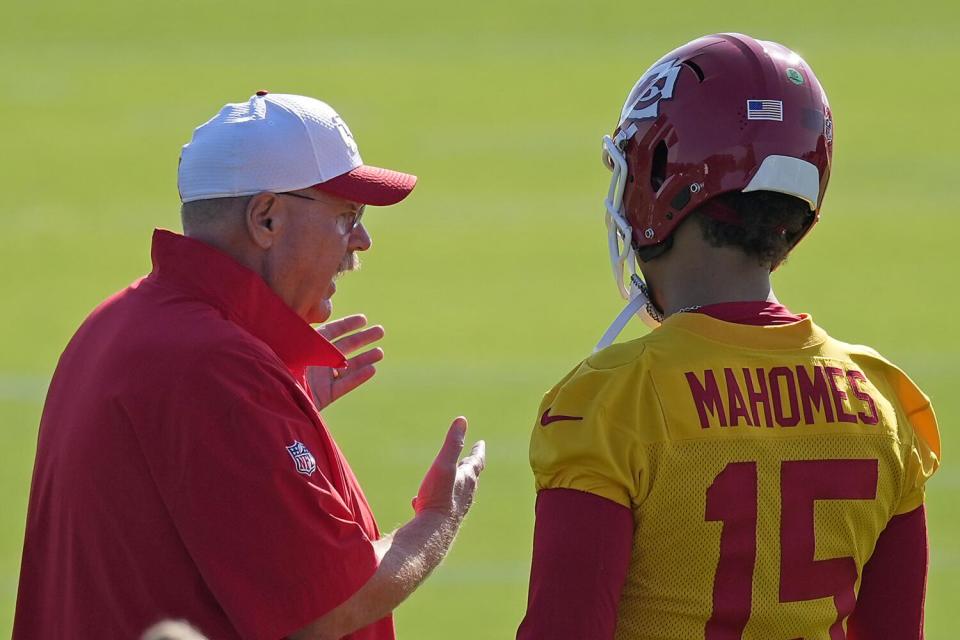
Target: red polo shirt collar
(199, 270)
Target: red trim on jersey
(890, 602)
(752, 312)
(581, 552)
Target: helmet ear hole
(658, 167)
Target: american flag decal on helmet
(302, 458)
(765, 110)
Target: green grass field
(492, 280)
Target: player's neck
(694, 274)
(712, 287)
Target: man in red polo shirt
(183, 469)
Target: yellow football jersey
(761, 463)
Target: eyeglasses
(347, 222)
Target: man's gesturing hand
(408, 555)
(450, 483)
(327, 384)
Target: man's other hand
(450, 483)
(328, 384)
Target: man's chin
(321, 312)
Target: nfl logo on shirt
(302, 458)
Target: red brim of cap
(370, 185)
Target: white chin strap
(619, 240)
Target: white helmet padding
(792, 176)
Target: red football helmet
(723, 113)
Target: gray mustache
(350, 262)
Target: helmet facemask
(620, 247)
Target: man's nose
(360, 239)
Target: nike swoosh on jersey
(546, 418)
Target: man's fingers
(358, 370)
(453, 444)
(476, 461)
(353, 378)
(343, 326)
(367, 357)
(477, 458)
(360, 339)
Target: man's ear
(264, 217)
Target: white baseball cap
(278, 142)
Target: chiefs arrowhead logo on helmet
(652, 87)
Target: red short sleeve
(276, 542)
